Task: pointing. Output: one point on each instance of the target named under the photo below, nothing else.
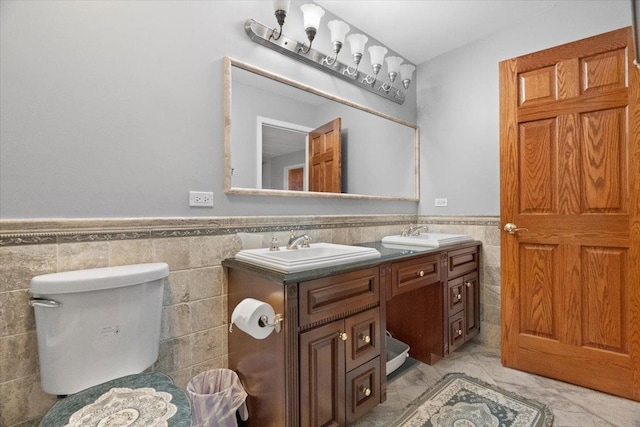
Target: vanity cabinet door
(322, 376)
(471, 304)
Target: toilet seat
(118, 394)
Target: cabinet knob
(468, 284)
(343, 336)
(421, 273)
(459, 296)
(365, 338)
(459, 332)
(365, 390)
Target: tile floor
(572, 406)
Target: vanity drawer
(456, 331)
(362, 389)
(462, 261)
(334, 296)
(455, 295)
(364, 336)
(414, 273)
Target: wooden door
(324, 157)
(570, 179)
(295, 179)
(322, 376)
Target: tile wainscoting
(194, 317)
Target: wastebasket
(215, 397)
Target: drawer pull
(365, 390)
(421, 273)
(365, 338)
(459, 296)
(459, 332)
(468, 284)
(343, 336)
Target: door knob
(511, 228)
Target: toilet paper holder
(277, 319)
(263, 322)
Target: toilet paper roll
(246, 316)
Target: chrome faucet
(414, 231)
(294, 241)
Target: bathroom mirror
(269, 139)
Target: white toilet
(98, 330)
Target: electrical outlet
(441, 202)
(201, 198)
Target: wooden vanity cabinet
(462, 297)
(325, 368)
(433, 301)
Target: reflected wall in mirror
(285, 138)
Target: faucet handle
(405, 232)
(306, 241)
(274, 244)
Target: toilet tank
(97, 325)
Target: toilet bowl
(97, 331)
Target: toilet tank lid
(97, 278)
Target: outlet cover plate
(201, 199)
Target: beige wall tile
(182, 377)
(205, 282)
(126, 252)
(176, 288)
(16, 315)
(208, 365)
(174, 251)
(175, 354)
(176, 321)
(80, 256)
(207, 313)
(22, 400)
(204, 251)
(229, 245)
(19, 264)
(18, 356)
(208, 344)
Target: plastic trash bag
(215, 397)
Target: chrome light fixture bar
(263, 35)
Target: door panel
(570, 172)
(325, 156)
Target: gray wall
(115, 108)
(458, 104)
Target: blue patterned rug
(459, 400)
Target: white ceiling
(423, 29)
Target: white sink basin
(318, 255)
(432, 240)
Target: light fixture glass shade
(377, 54)
(281, 5)
(339, 30)
(406, 74)
(357, 43)
(393, 64)
(312, 15)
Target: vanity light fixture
(280, 7)
(312, 16)
(303, 52)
